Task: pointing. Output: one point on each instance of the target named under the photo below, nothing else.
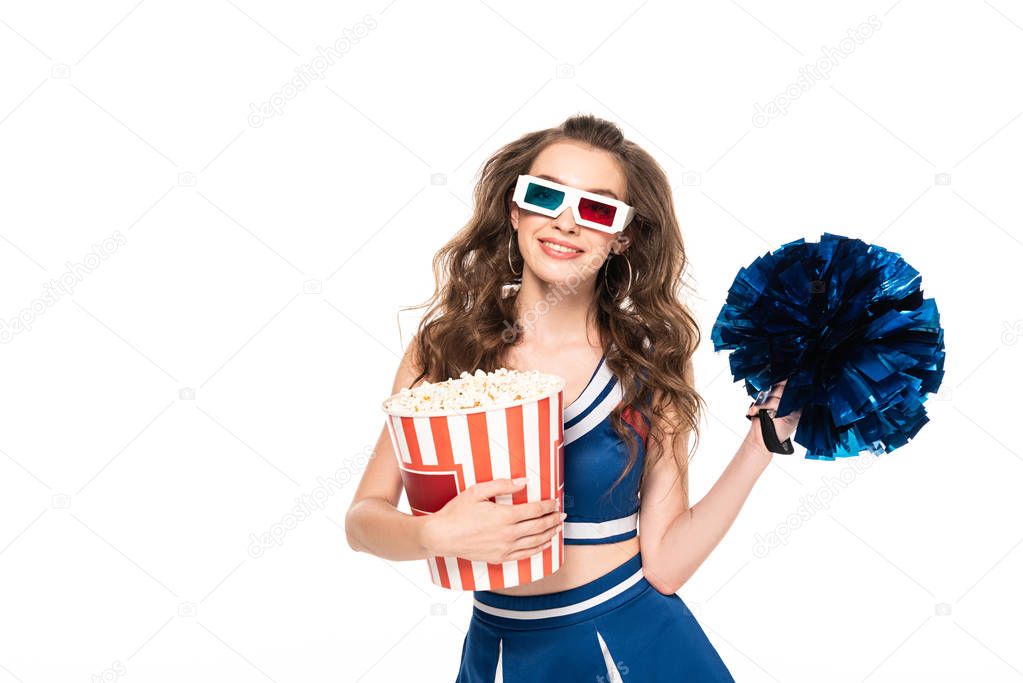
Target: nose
(565, 222)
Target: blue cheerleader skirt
(614, 629)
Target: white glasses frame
(623, 212)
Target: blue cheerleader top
(594, 458)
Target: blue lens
(544, 197)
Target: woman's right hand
(475, 528)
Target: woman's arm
(471, 525)
(373, 523)
(675, 539)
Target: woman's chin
(563, 276)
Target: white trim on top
(597, 415)
(591, 392)
(611, 527)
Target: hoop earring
(618, 295)
(510, 266)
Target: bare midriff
(583, 563)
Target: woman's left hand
(783, 426)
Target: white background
(228, 353)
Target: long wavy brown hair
(648, 335)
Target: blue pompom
(847, 324)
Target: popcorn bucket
(441, 455)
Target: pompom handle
(770, 435)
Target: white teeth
(558, 247)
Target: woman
(551, 274)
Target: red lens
(598, 212)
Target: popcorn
(451, 435)
(478, 390)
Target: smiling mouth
(560, 248)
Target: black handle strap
(770, 435)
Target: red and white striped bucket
(441, 456)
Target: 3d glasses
(590, 210)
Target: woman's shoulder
(410, 367)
